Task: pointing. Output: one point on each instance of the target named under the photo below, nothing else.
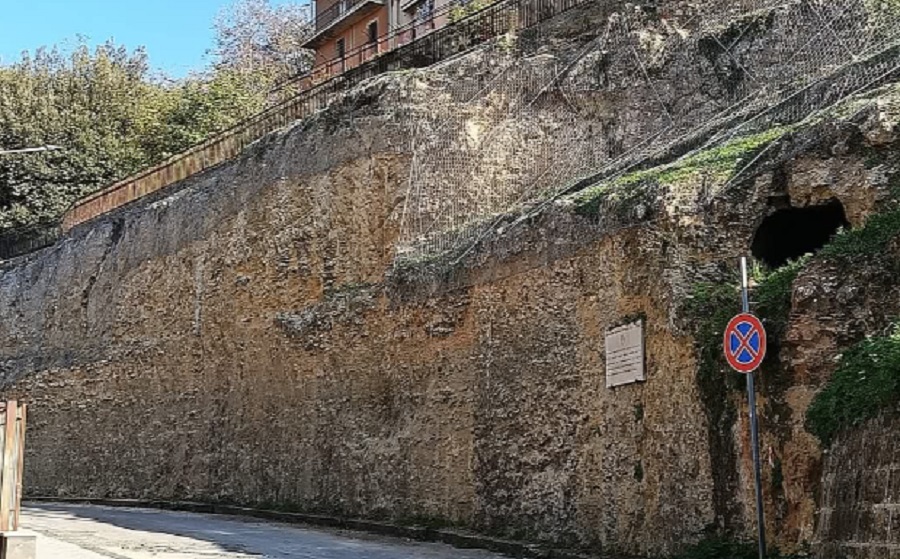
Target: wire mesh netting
(648, 88)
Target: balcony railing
(338, 10)
(397, 37)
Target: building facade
(350, 32)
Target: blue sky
(177, 33)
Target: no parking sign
(745, 343)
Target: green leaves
(772, 295)
(85, 101)
(710, 306)
(189, 112)
(111, 117)
(114, 117)
(720, 548)
(866, 383)
(866, 241)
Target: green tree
(191, 110)
(113, 117)
(93, 104)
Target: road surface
(68, 531)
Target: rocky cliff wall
(219, 369)
(245, 337)
(860, 492)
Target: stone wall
(850, 488)
(212, 366)
(235, 340)
(860, 515)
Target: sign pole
(754, 428)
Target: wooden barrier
(12, 440)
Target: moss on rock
(772, 294)
(720, 163)
(866, 384)
(865, 241)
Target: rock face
(245, 337)
(856, 479)
(861, 493)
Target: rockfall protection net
(650, 87)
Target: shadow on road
(113, 531)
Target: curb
(456, 538)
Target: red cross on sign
(745, 343)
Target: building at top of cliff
(351, 32)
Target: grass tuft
(711, 306)
(866, 383)
(869, 240)
(718, 547)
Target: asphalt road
(93, 532)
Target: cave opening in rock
(789, 233)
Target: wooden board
(7, 481)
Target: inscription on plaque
(625, 354)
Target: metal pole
(754, 429)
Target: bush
(869, 240)
(866, 383)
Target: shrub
(866, 383)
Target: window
(425, 11)
(372, 33)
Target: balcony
(333, 18)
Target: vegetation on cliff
(866, 384)
(866, 241)
(720, 548)
(772, 294)
(867, 381)
(718, 164)
(712, 305)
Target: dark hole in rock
(790, 233)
